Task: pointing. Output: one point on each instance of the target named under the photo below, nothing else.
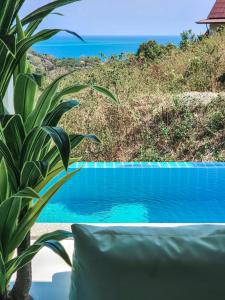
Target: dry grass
(152, 122)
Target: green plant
(29, 162)
(150, 51)
(13, 49)
(33, 150)
(188, 38)
(164, 130)
(216, 121)
(149, 154)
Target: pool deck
(51, 275)
(42, 228)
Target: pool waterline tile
(110, 165)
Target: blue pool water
(69, 46)
(141, 192)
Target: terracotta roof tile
(218, 10)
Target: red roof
(218, 10)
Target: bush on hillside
(153, 51)
(188, 38)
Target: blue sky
(129, 17)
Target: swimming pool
(141, 192)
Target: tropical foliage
(33, 149)
(12, 48)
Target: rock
(202, 97)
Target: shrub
(153, 51)
(188, 38)
(216, 121)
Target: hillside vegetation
(172, 105)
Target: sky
(128, 17)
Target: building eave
(211, 21)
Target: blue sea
(71, 47)
(141, 193)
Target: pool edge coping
(43, 228)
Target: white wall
(8, 99)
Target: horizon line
(123, 35)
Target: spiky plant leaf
(25, 94)
(14, 128)
(53, 117)
(33, 213)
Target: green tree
(152, 51)
(188, 38)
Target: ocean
(71, 47)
